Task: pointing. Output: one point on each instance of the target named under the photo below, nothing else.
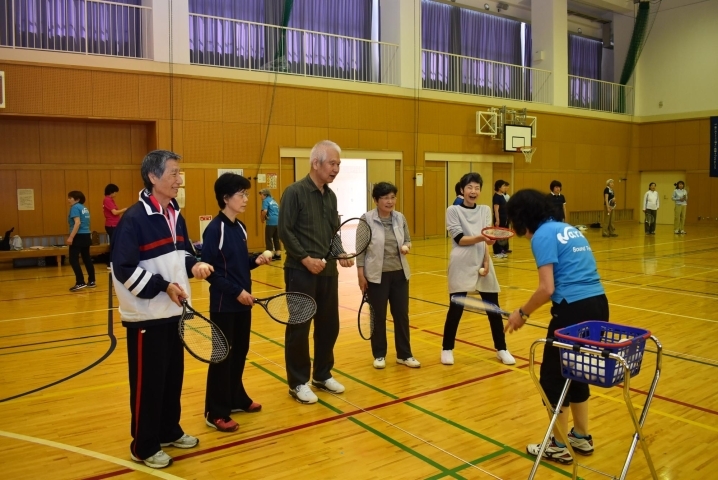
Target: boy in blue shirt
(80, 240)
(569, 279)
(270, 215)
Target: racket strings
(203, 338)
(497, 233)
(352, 239)
(291, 308)
(366, 320)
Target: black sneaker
(78, 286)
(91, 285)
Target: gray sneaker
(158, 460)
(303, 394)
(185, 441)
(329, 385)
(582, 446)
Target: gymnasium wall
(52, 111)
(680, 145)
(677, 65)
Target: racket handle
(323, 260)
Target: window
(118, 28)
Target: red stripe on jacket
(159, 243)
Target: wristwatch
(524, 316)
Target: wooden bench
(57, 252)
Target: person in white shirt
(650, 207)
(680, 196)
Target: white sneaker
(505, 357)
(447, 357)
(158, 460)
(303, 394)
(379, 363)
(185, 441)
(330, 385)
(410, 362)
(676, 231)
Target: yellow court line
(89, 453)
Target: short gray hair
(319, 151)
(608, 182)
(154, 163)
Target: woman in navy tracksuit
(224, 247)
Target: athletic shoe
(509, 251)
(500, 255)
(447, 357)
(552, 452)
(158, 460)
(379, 363)
(582, 446)
(78, 286)
(330, 385)
(223, 424)
(683, 232)
(185, 441)
(505, 357)
(91, 285)
(676, 231)
(613, 235)
(303, 394)
(253, 408)
(410, 362)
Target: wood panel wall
(90, 127)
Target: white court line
(89, 453)
(56, 315)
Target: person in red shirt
(112, 214)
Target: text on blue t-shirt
(80, 211)
(272, 208)
(574, 268)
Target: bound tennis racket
(649, 218)
(497, 233)
(289, 308)
(201, 337)
(477, 305)
(365, 318)
(351, 239)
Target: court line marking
(89, 453)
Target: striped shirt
(308, 220)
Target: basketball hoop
(528, 152)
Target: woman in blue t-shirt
(569, 279)
(79, 241)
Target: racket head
(497, 233)
(478, 305)
(290, 308)
(612, 202)
(201, 337)
(365, 318)
(352, 238)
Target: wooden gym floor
(470, 420)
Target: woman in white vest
(650, 208)
(383, 274)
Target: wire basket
(628, 342)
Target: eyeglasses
(242, 193)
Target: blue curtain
(460, 31)
(221, 41)
(436, 35)
(584, 60)
(60, 25)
